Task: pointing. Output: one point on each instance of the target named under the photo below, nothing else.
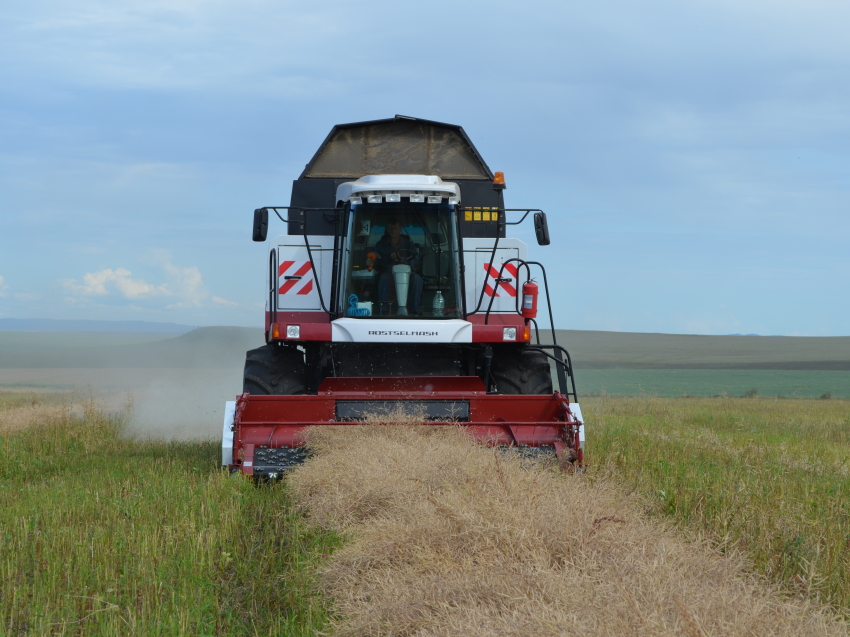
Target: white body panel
(227, 433)
(352, 330)
(476, 256)
(300, 292)
(574, 407)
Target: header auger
(397, 289)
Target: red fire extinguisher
(529, 299)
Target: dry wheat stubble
(22, 417)
(449, 538)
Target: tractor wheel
(522, 371)
(274, 371)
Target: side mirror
(261, 224)
(541, 228)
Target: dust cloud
(175, 388)
(186, 401)
(183, 404)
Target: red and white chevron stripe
(509, 271)
(297, 277)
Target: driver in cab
(395, 248)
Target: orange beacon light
(372, 257)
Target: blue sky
(694, 158)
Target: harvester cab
(396, 289)
(400, 259)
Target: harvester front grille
(439, 410)
(270, 463)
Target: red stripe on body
(288, 285)
(507, 286)
(307, 288)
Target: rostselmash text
(400, 333)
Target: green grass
(672, 383)
(768, 477)
(101, 535)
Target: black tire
(521, 371)
(272, 370)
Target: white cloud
(3, 286)
(221, 301)
(186, 284)
(183, 286)
(109, 281)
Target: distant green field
(41, 341)
(624, 350)
(202, 348)
(612, 363)
(672, 383)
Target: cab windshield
(401, 261)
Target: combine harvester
(396, 289)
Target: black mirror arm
(261, 220)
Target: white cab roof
(405, 185)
